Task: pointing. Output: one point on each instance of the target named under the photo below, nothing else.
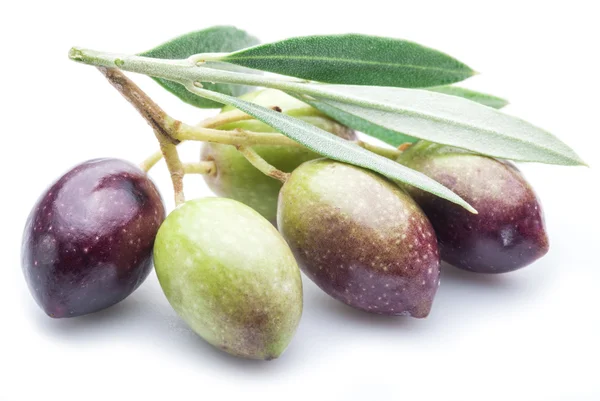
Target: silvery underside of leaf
(445, 119)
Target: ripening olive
(507, 233)
(360, 238)
(88, 240)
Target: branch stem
(151, 161)
(189, 73)
(247, 138)
(172, 132)
(165, 128)
(261, 164)
(203, 167)
(224, 118)
(236, 137)
(390, 153)
(169, 151)
(211, 122)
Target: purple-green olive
(88, 240)
(360, 238)
(508, 232)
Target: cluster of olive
(234, 278)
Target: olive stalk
(203, 167)
(164, 126)
(224, 118)
(237, 137)
(390, 153)
(176, 169)
(191, 72)
(261, 164)
(247, 138)
(183, 71)
(171, 132)
(151, 161)
(211, 122)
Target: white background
(530, 335)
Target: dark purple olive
(509, 231)
(360, 238)
(88, 240)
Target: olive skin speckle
(88, 241)
(508, 232)
(237, 179)
(230, 275)
(360, 238)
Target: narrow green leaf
(444, 119)
(211, 40)
(393, 137)
(354, 59)
(483, 98)
(357, 123)
(334, 147)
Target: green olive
(231, 276)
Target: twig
(203, 167)
(261, 164)
(237, 137)
(175, 167)
(224, 118)
(390, 153)
(165, 128)
(151, 161)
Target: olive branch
(387, 95)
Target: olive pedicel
(508, 232)
(88, 240)
(360, 238)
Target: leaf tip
(467, 206)
(461, 202)
(576, 160)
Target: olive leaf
(440, 118)
(396, 138)
(215, 39)
(334, 147)
(483, 98)
(354, 59)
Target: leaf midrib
(352, 61)
(459, 124)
